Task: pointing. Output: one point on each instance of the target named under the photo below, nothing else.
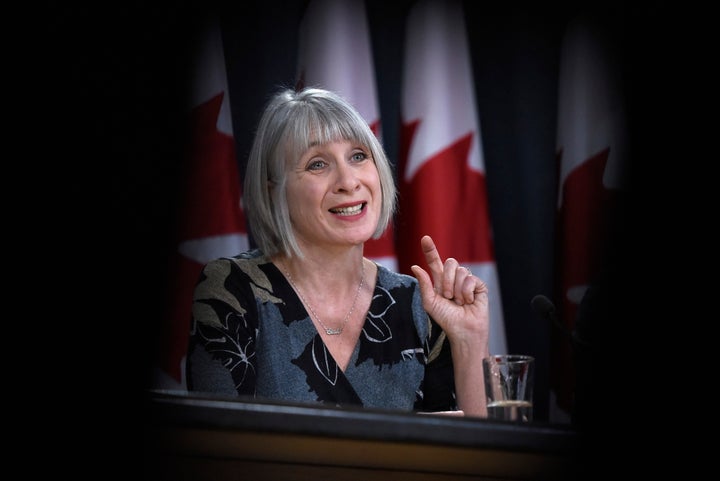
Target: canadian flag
(335, 53)
(591, 150)
(442, 181)
(211, 222)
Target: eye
(359, 156)
(316, 164)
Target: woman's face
(334, 194)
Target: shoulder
(246, 267)
(390, 279)
(242, 275)
(244, 260)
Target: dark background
(127, 70)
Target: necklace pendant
(333, 332)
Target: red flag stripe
(211, 222)
(442, 181)
(591, 153)
(335, 53)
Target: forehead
(334, 143)
(317, 141)
(342, 146)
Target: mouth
(351, 210)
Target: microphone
(546, 309)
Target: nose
(346, 179)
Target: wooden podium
(191, 437)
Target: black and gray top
(251, 335)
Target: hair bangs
(319, 124)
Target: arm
(222, 342)
(458, 301)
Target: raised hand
(451, 294)
(458, 301)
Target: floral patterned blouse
(251, 336)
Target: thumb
(424, 281)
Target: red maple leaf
(446, 200)
(210, 207)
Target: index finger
(432, 257)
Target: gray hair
(291, 122)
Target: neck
(332, 328)
(319, 272)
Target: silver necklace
(329, 330)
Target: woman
(305, 317)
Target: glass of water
(509, 386)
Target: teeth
(348, 210)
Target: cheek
(374, 182)
(302, 196)
(370, 175)
(294, 201)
